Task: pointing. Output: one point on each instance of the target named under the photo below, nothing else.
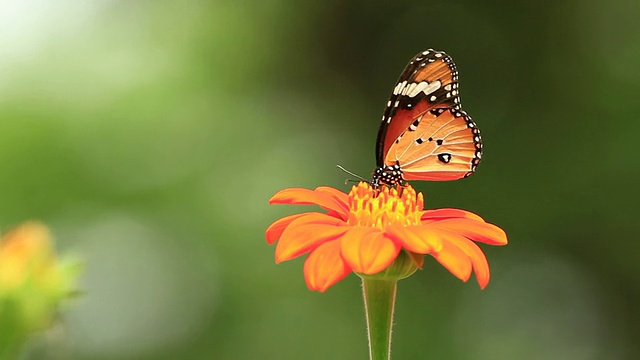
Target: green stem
(379, 300)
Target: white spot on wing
(398, 89)
(413, 127)
(410, 89)
(425, 87)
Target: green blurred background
(150, 134)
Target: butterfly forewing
(429, 81)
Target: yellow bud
(32, 279)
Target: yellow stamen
(384, 207)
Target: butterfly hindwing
(440, 144)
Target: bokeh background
(150, 134)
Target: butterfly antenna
(352, 174)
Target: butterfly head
(387, 175)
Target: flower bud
(33, 282)
(402, 267)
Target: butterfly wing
(429, 81)
(440, 144)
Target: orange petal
(473, 230)
(366, 250)
(337, 194)
(307, 232)
(454, 259)
(447, 213)
(299, 196)
(324, 266)
(477, 257)
(418, 239)
(274, 231)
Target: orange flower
(366, 230)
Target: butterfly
(425, 134)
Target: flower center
(384, 207)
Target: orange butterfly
(425, 134)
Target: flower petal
(299, 196)
(454, 259)
(418, 239)
(324, 266)
(337, 194)
(473, 230)
(477, 257)
(307, 232)
(274, 231)
(366, 250)
(446, 213)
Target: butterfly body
(425, 134)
